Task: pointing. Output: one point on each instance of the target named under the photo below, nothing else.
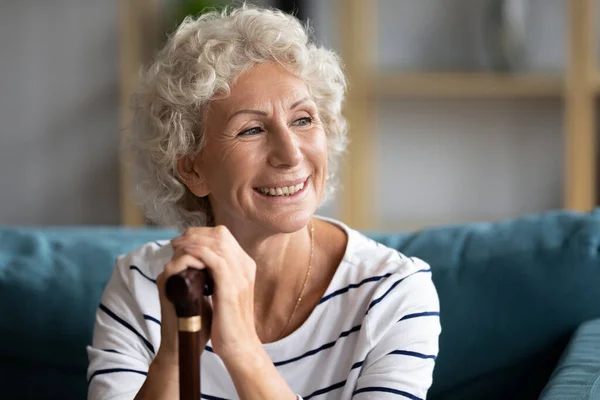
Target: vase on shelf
(502, 34)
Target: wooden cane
(185, 291)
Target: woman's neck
(281, 258)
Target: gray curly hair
(198, 63)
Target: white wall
(58, 112)
(442, 161)
(453, 161)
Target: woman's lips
(283, 192)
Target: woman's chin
(288, 222)
(287, 218)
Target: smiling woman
(263, 138)
(201, 65)
(237, 140)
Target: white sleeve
(121, 352)
(403, 327)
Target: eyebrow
(262, 113)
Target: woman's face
(265, 155)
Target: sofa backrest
(511, 293)
(51, 281)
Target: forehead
(264, 85)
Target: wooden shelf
(467, 85)
(138, 33)
(595, 83)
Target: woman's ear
(192, 176)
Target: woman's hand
(168, 353)
(229, 322)
(233, 332)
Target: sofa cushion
(51, 281)
(511, 294)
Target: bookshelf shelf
(467, 85)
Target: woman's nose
(284, 148)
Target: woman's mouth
(282, 191)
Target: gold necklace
(312, 248)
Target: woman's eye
(250, 132)
(303, 121)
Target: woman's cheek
(319, 142)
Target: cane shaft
(189, 365)
(185, 291)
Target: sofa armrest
(577, 375)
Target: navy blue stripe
(159, 245)
(127, 325)
(353, 286)
(111, 351)
(376, 301)
(315, 351)
(209, 397)
(308, 353)
(141, 273)
(386, 390)
(111, 370)
(397, 352)
(413, 354)
(151, 318)
(325, 390)
(421, 314)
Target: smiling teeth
(282, 191)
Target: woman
(238, 138)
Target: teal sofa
(520, 305)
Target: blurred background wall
(440, 161)
(59, 112)
(448, 161)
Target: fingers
(181, 263)
(208, 257)
(197, 238)
(218, 238)
(225, 276)
(218, 232)
(217, 250)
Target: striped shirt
(373, 335)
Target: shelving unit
(580, 138)
(578, 88)
(138, 37)
(465, 85)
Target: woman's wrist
(255, 376)
(166, 367)
(166, 359)
(162, 381)
(239, 356)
